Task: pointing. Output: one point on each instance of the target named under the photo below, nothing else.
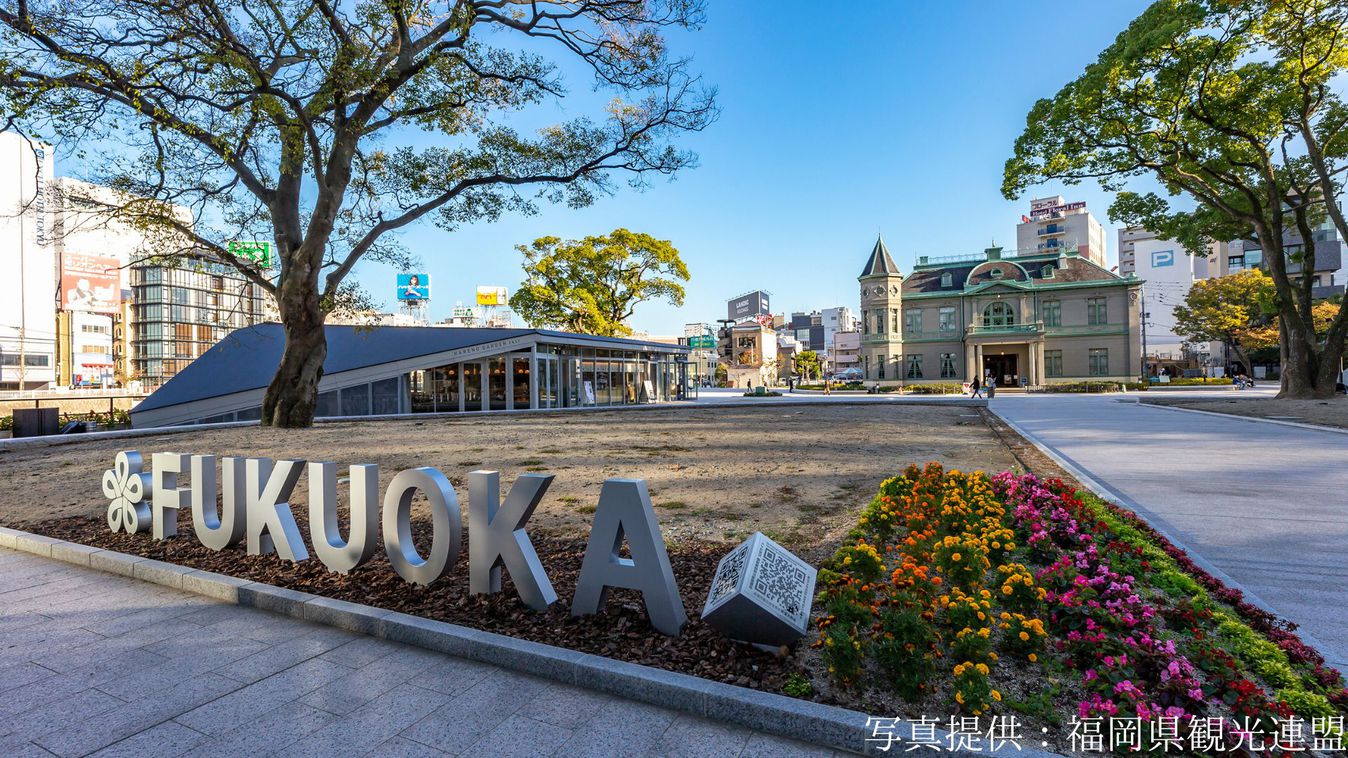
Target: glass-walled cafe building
(396, 370)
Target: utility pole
(1143, 290)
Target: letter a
(625, 508)
(498, 537)
(271, 526)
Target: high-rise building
(27, 258)
(1129, 236)
(177, 314)
(1055, 225)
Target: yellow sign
(492, 296)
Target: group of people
(1242, 382)
(977, 386)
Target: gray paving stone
(8, 536)
(73, 552)
(268, 734)
(452, 676)
(371, 724)
(566, 706)
(39, 721)
(18, 746)
(34, 543)
(210, 584)
(401, 747)
(163, 740)
(275, 599)
(344, 615)
(363, 651)
(159, 572)
(474, 712)
(520, 736)
(277, 658)
(626, 728)
(19, 674)
(247, 702)
(114, 563)
(695, 737)
(769, 746)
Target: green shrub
(797, 686)
(943, 388)
(1092, 386)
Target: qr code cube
(761, 594)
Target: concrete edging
(1238, 417)
(825, 725)
(1108, 493)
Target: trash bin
(35, 422)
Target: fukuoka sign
(254, 508)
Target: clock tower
(881, 327)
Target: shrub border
(818, 723)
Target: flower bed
(953, 584)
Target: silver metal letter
(271, 526)
(218, 529)
(168, 496)
(625, 509)
(499, 538)
(338, 555)
(125, 485)
(446, 525)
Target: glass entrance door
(472, 386)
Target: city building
(393, 370)
(179, 313)
(846, 352)
(700, 339)
(87, 350)
(1327, 279)
(1025, 320)
(1055, 225)
(1169, 271)
(1129, 236)
(749, 352)
(750, 306)
(834, 320)
(28, 353)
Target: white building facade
(1055, 225)
(27, 258)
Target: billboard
(414, 287)
(1043, 211)
(492, 296)
(748, 306)
(257, 252)
(90, 283)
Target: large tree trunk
(1308, 371)
(293, 393)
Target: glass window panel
(356, 400)
(385, 395)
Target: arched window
(999, 314)
(947, 280)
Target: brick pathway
(92, 663)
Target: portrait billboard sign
(90, 283)
(414, 287)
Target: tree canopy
(1228, 309)
(326, 127)
(1233, 108)
(593, 285)
(808, 364)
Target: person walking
(976, 388)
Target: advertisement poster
(90, 283)
(414, 287)
(492, 296)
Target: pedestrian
(976, 388)
(992, 387)
(828, 386)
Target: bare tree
(327, 127)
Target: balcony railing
(1036, 327)
(1051, 230)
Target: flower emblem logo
(125, 486)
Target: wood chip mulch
(620, 631)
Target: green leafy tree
(326, 127)
(593, 285)
(1229, 310)
(1234, 109)
(807, 363)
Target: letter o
(446, 525)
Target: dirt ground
(798, 474)
(1333, 412)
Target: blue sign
(414, 287)
(1162, 258)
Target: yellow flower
(1034, 658)
(1024, 637)
(959, 698)
(997, 696)
(982, 668)
(955, 557)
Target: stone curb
(21, 443)
(825, 725)
(1237, 417)
(1105, 492)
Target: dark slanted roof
(1064, 269)
(246, 359)
(880, 264)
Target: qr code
(779, 580)
(728, 575)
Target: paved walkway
(92, 663)
(1265, 503)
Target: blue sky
(838, 122)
